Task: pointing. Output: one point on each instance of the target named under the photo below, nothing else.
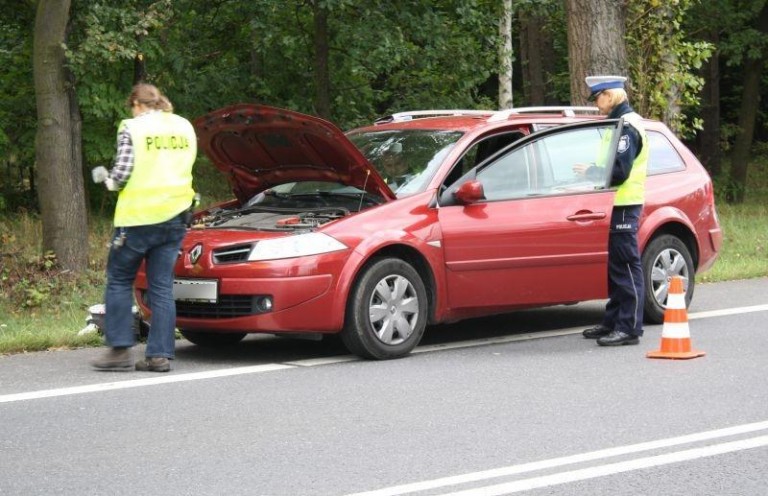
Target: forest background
(66, 67)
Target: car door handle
(584, 216)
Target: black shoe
(618, 338)
(596, 332)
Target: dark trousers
(624, 311)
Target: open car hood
(259, 147)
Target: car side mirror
(470, 192)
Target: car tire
(213, 339)
(664, 257)
(386, 311)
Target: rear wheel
(386, 311)
(213, 339)
(663, 258)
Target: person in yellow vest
(152, 172)
(623, 320)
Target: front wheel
(663, 258)
(386, 311)
(212, 339)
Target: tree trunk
(537, 54)
(750, 97)
(322, 75)
(76, 127)
(505, 56)
(669, 60)
(595, 43)
(747, 115)
(708, 139)
(60, 181)
(139, 69)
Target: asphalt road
(504, 405)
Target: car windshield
(406, 159)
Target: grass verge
(744, 254)
(41, 306)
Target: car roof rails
(503, 115)
(421, 114)
(492, 115)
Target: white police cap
(599, 83)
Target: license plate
(205, 290)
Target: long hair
(149, 96)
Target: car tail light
(709, 190)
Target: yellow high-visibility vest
(160, 185)
(632, 190)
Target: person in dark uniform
(623, 320)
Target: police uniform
(623, 319)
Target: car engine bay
(264, 219)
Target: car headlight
(300, 245)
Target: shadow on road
(262, 348)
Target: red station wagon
(423, 217)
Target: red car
(423, 217)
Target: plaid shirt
(123, 166)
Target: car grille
(228, 306)
(231, 254)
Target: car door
(540, 235)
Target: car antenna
(362, 195)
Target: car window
(663, 155)
(480, 151)
(546, 166)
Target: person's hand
(581, 169)
(100, 174)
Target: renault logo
(194, 253)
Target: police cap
(599, 83)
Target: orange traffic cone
(675, 335)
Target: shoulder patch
(623, 144)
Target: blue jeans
(159, 245)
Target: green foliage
(111, 34)
(31, 282)
(105, 40)
(744, 253)
(736, 29)
(740, 37)
(17, 108)
(664, 63)
(385, 56)
(404, 55)
(41, 306)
